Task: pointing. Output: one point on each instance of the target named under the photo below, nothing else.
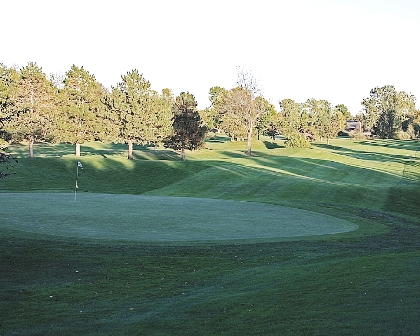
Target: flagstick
(79, 164)
(77, 175)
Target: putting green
(159, 219)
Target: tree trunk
(183, 154)
(249, 142)
(77, 149)
(130, 150)
(31, 148)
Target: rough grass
(362, 282)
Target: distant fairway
(160, 219)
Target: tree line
(386, 113)
(77, 108)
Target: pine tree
(33, 97)
(161, 117)
(8, 80)
(81, 112)
(188, 130)
(131, 105)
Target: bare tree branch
(246, 80)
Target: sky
(337, 50)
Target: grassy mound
(361, 282)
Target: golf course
(286, 241)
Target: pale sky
(336, 50)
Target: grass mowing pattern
(362, 282)
(161, 219)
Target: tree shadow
(368, 155)
(324, 170)
(271, 145)
(413, 145)
(42, 149)
(218, 139)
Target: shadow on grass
(368, 155)
(404, 200)
(413, 145)
(219, 139)
(399, 190)
(42, 149)
(321, 169)
(106, 150)
(99, 175)
(272, 145)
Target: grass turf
(161, 219)
(361, 282)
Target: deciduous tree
(211, 116)
(293, 117)
(242, 103)
(246, 80)
(241, 111)
(344, 111)
(385, 110)
(324, 119)
(268, 122)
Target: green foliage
(233, 125)
(325, 121)
(80, 116)
(358, 136)
(9, 78)
(386, 110)
(387, 125)
(239, 113)
(216, 96)
(401, 135)
(268, 121)
(415, 121)
(188, 129)
(344, 111)
(211, 115)
(162, 117)
(293, 117)
(297, 140)
(139, 113)
(131, 104)
(6, 161)
(30, 99)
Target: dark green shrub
(297, 141)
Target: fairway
(160, 219)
